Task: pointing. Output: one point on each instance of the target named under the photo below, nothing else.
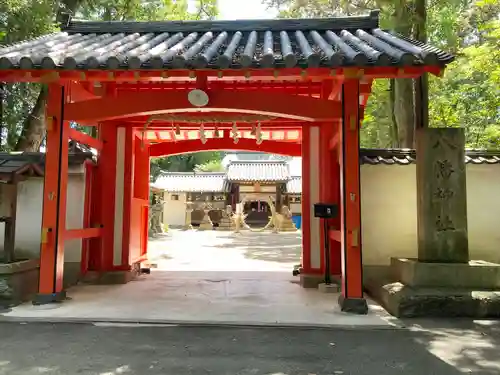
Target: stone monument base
(18, 282)
(440, 289)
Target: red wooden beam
(84, 233)
(213, 144)
(134, 104)
(77, 92)
(231, 74)
(85, 139)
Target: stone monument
(206, 223)
(225, 223)
(155, 219)
(238, 218)
(443, 281)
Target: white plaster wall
(174, 211)
(389, 212)
(29, 216)
(296, 208)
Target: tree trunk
(403, 111)
(34, 126)
(403, 87)
(33, 131)
(394, 122)
(421, 84)
(2, 96)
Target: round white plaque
(198, 98)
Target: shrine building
(288, 87)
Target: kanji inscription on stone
(444, 169)
(444, 193)
(444, 223)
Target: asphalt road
(38, 348)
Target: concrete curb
(183, 323)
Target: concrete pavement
(86, 349)
(210, 277)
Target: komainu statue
(156, 218)
(285, 222)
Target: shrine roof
(408, 156)
(192, 182)
(294, 185)
(305, 43)
(32, 164)
(258, 171)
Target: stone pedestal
(18, 282)
(442, 281)
(206, 223)
(187, 217)
(442, 289)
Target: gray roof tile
(191, 182)
(347, 41)
(407, 156)
(258, 171)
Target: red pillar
(106, 171)
(329, 193)
(54, 200)
(351, 298)
(306, 201)
(87, 214)
(141, 195)
(128, 194)
(334, 196)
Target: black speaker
(325, 210)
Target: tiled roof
(347, 41)
(294, 185)
(32, 164)
(258, 171)
(407, 156)
(176, 182)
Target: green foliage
(25, 19)
(214, 165)
(21, 19)
(467, 96)
(183, 163)
(110, 10)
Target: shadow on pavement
(87, 349)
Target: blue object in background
(297, 220)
